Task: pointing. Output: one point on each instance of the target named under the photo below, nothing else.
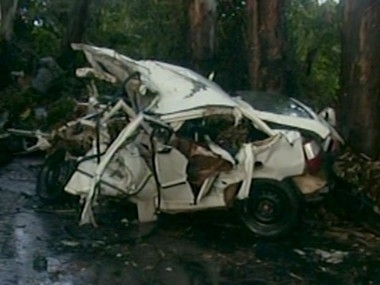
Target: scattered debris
(299, 252)
(295, 276)
(364, 175)
(333, 257)
(70, 243)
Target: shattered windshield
(274, 103)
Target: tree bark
(75, 30)
(7, 14)
(265, 35)
(202, 20)
(360, 102)
(8, 10)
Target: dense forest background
(317, 51)
(160, 30)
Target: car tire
(272, 209)
(52, 178)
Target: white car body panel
(297, 122)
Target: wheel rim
(267, 208)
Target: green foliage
(141, 28)
(314, 50)
(41, 37)
(158, 29)
(60, 112)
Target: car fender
(275, 158)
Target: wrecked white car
(186, 145)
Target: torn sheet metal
(179, 89)
(87, 72)
(297, 122)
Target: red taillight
(314, 156)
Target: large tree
(360, 101)
(8, 10)
(75, 29)
(266, 44)
(202, 19)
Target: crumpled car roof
(179, 89)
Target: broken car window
(274, 103)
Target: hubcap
(266, 208)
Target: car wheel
(53, 176)
(272, 209)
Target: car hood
(172, 88)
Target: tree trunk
(202, 19)
(266, 44)
(8, 10)
(75, 30)
(360, 102)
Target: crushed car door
(187, 169)
(169, 165)
(206, 160)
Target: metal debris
(299, 252)
(333, 257)
(70, 243)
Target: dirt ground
(42, 245)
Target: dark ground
(44, 246)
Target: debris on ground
(329, 256)
(70, 243)
(333, 257)
(364, 174)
